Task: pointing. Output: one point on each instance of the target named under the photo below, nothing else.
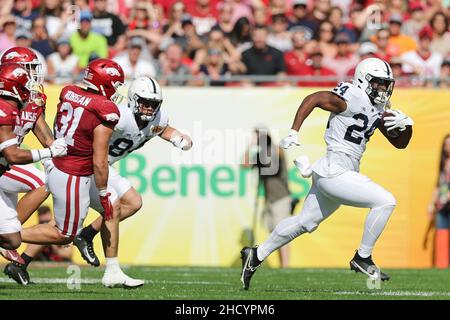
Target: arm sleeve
(107, 112)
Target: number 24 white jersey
(349, 131)
(127, 136)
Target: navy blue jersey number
(341, 89)
(119, 147)
(361, 128)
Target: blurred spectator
(216, 66)
(439, 208)
(324, 39)
(24, 38)
(62, 64)
(398, 8)
(300, 19)
(145, 16)
(7, 35)
(85, 42)
(416, 22)
(216, 40)
(441, 35)
(260, 16)
(241, 9)
(106, 23)
(277, 7)
(262, 59)
(344, 60)
(279, 37)
(320, 11)
(171, 65)
(241, 35)
(315, 68)
(191, 42)
(204, 16)
(224, 21)
(24, 13)
(382, 43)
(422, 61)
(132, 61)
(41, 41)
(57, 18)
(444, 82)
(174, 28)
(336, 17)
(398, 42)
(401, 80)
(366, 50)
(295, 60)
(53, 253)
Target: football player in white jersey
(140, 120)
(355, 110)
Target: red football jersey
(23, 120)
(79, 113)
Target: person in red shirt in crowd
(316, 68)
(296, 59)
(204, 15)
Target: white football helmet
(145, 91)
(370, 74)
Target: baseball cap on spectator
(23, 34)
(298, 3)
(396, 18)
(186, 19)
(342, 38)
(136, 42)
(415, 6)
(9, 19)
(426, 32)
(61, 41)
(367, 48)
(85, 15)
(307, 32)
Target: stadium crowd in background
(186, 42)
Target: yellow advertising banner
(199, 205)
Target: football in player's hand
(393, 133)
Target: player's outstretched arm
(43, 132)
(325, 100)
(400, 142)
(15, 155)
(178, 139)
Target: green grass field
(223, 283)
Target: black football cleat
(368, 267)
(86, 249)
(250, 263)
(17, 272)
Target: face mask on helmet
(147, 109)
(379, 90)
(117, 96)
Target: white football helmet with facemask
(144, 92)
(370, 75)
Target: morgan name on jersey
(127, 136)
(349, 131)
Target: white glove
(290, 140)
(397, 120)
(181, 142)
(58, 148)
(302, 164)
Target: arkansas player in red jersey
(15, 89)
(27, 178)
(85, 119)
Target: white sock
(375, 222)
(287, 230)
(112, 265)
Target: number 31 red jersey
(79, 113)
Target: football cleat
(18, 273)
(368, 267)
(11, 255)
(250, 263)
(120, 280)
(86, 249)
